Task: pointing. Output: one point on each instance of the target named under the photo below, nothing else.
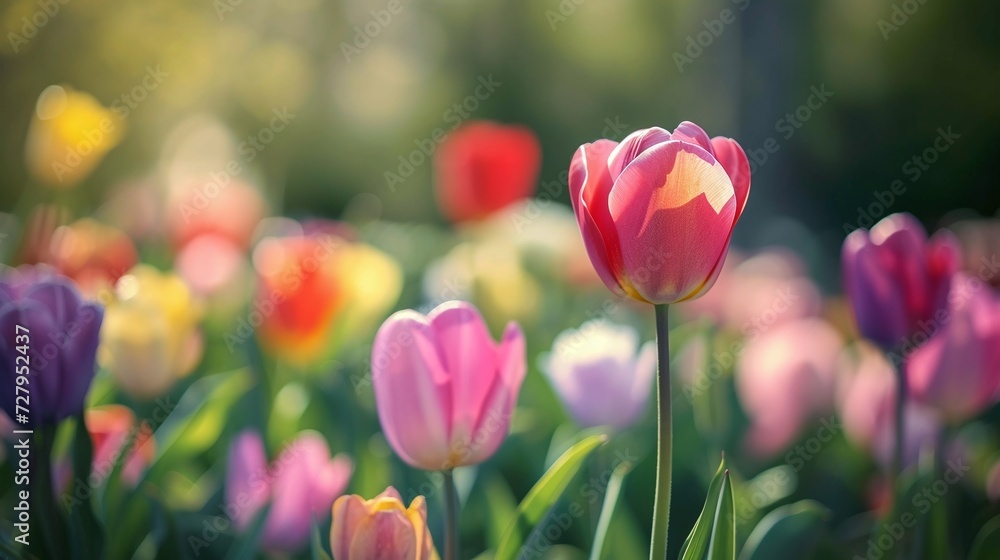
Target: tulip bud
(44, 320)
(601, 374)
(657, 211)
(445, 392)
(380, 528)
(150, 336)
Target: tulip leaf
(714, 533)
(987, 542)
(788, 531)
(316, 543)
(86, 530)
(608, 508)
(248, 542)
(544, 495)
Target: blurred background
(849, 110)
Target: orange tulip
(380, 528)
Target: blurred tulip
(380, 528)
(657, 211)
(315, 285)
(110, 427)
(69, 135)
(445, 391)
(601, 374)
(41, 226)
(957, 371)
(92, 254)
(231, 211)
(896, 279)
(866, 401)
(211, 264)
(151, 337)
(301, 483)
(45, 321)
(980, 240)
(483, 167)
(754, 294)
(785, 379)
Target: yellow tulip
(380, 528)
(69, 135)
(150, 337)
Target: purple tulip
(301, 483)
(48, 327)
(896, 279)
(601, 374)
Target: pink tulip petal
(734, 161)
(493, 422)
(875, 299)
(687, 131)
(412, 390)
(672, 204)
(469, 355)
(588, 174)
(248, 486)
(348, 513)
(632, 146)
(384, 535)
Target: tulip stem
(661, 504)
(451, 543)
(899, 436)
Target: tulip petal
(469, 355)
(632, 146)
(687, 131)
(494, 419)
(877, 303)
(384, 535)
(734, 160)
(348, 513)
(673, 208)
(247, 481)
(412, 390)
(589, 184)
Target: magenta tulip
(898, 280)
(301, 483)
(445, 391)
(657, 211)
(957, 372)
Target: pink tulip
(784, 379)
(957, 372)
(866, 401)
(302, 482)
(657, 211)
(896, 279)
(445, 391)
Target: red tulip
(657, 211)
(483, 167)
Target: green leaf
(316, 543)
(696, 544)
(788, 531)
(608, 509)
(987, 542)
(722, 545)
(88, 535)
(502, 506)
(544, 495)
(246, 544)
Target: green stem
(451, 542)
(661, 504)
(899, 437)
